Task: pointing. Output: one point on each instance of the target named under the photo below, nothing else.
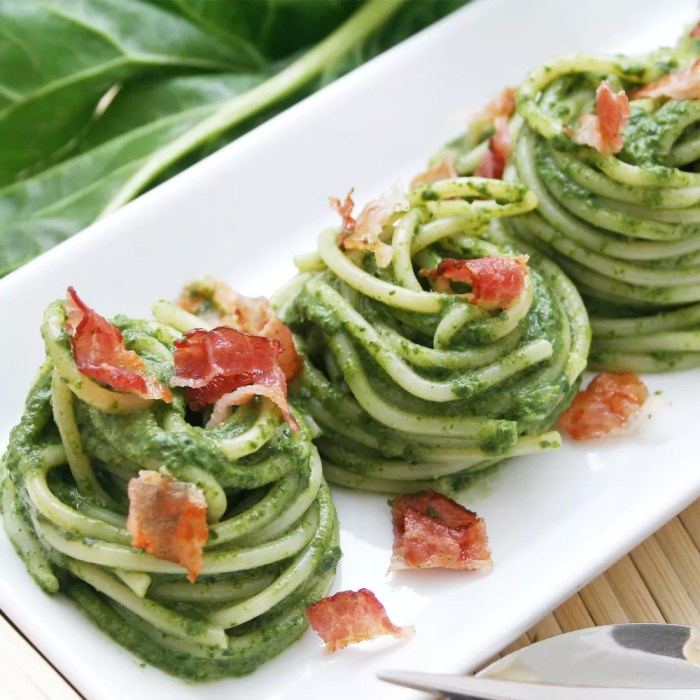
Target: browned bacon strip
(682, 85)
(99, 353)
(225, 367)
(501, 106)
(345, 208)
(252, 315)
(168, 519)
(364, 233)
(603, 131)
(605, 406)
(433, 531)
(495, 281)
(442, 170)
(496, 157)
(350, 617)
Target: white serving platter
(554, 521)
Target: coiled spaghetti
(273, 535)
(413, 388)
(626, 226)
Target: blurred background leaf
(101, 99)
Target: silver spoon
(615, 662)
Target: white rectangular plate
(554, 521)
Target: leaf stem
(311, 64)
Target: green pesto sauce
(556, 179)
(137, 440)
(645, 133)
(524, 402)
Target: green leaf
(280, 86)
(278, 28)
(411, 18)
(65, 54)
(43, 210)
(159, 122)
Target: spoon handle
(469, 687)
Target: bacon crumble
(363, 234)
(495, 281)
(496, 157)
(100, 353)
(168, 519)
(444, 169)
(349, 617)
(501, 106)
(225, 367)
(603, 131)
(496, 113)
(251, 315)
(681, 85)
(605, 407)
(434, 531)
(345, 208)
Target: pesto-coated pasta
(273, 533)
(625, 226)
(415, 388)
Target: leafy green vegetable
(277, 28)
(65, 54)
(107, 97)
(44, 209)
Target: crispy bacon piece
(433, 531)
(494, 161)
(252, 315)
(168, 519)
(605, 406)
(502, 106)
(226, 367)
(496, 113)
(269, 389)
(495, 281)
(349, 617)
(99, 352)
(364, 232)
(682, 85)
(442, 170)
(603, 131)
(345, 210)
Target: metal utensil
(615, 662)
(473, 688)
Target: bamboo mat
(656, 582)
